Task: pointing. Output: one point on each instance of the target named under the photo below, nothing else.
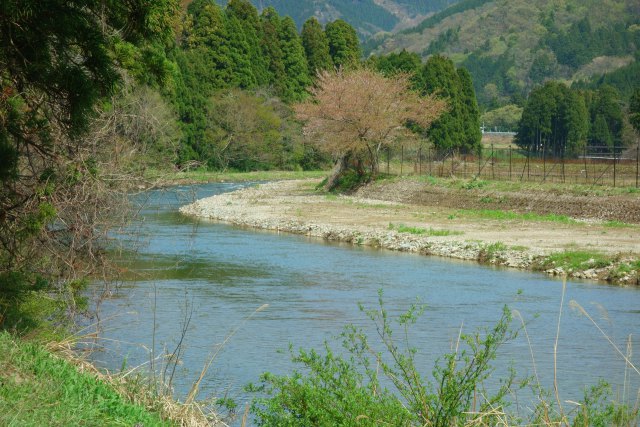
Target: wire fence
(594, 166)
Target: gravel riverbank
(293, 207)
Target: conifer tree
(634, 110)
(344, 45)
(270, 23)
(554, 121)
(316, 47)
(393, 63)
(470, 113)
(439, 76)
(606, 104)
(239, 54)
(247, 15)
(204, 40)
(295, 64)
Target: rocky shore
(285, 206)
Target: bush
(384, 387)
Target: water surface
(219, 275)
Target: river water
(218, 275)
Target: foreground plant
(378, 383)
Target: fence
(596, 166)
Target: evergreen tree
(634, 110)
(242, 75)
(344, 45)
(606, 104)
(205, 45)
(470, 113)
(270, 22)
(316, 46)
(554, 121)
(575, 122)
(247, 15)
(295, 64)
(404, 62)
(459, 127)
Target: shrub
(385, 387)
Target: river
(218, 275)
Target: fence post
(464, 165)
(479, 163)
(614, 165)
(493, 172)
(544, 163)
(429, 159)
(586, 171)
(453, 155)
(510, 162)
(637, 162)
(401, 158)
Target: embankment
(434, 228)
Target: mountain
(509, 46)
(367, 16)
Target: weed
(577, 260)
(401, 228)
(513, 216)
(617, 224)
(337, 390)
(473, 184)
(490, 251)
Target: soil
(623, 208)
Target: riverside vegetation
(94, 95)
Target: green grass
(626, 268)
(617, 224)
(402, 228)
(524, 186)
(577, 260)
(515, 216)
(201, 175)
(38, 388)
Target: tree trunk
(336, 172)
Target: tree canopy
(61, 62)
(354, 114)
(555, 120)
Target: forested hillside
(510, 46)
(367, 16)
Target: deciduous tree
(354, 114)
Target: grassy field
(38, 388)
